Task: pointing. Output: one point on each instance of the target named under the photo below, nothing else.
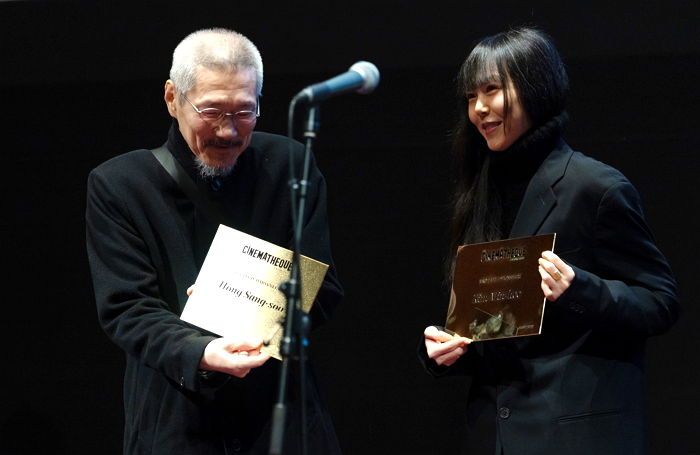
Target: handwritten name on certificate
(237, 290)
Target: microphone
(363, 77)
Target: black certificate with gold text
(496, 290)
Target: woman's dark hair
(525, 60)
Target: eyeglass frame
(223, 114)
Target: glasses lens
(210, 114)
(244, 116)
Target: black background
(82, 82)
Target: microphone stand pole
(297, 324)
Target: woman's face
(487, 112)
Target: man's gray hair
(217, 49)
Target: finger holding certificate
(233, 357)
(443, 347)
(556, 275)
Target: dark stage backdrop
(80, 83)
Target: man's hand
(444, 348)
(233, 357)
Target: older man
(187, 391)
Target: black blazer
(578, 387)
(145, 243)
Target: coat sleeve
(130, 306)
(630, 287)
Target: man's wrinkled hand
(234, 357)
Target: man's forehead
(224, 73)
(241, 80)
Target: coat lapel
(540, 199)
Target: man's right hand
(233, 357)
(444, 348)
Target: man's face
(218, 143)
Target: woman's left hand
(556, 275)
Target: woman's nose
(481, 107)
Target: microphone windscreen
(370, 75)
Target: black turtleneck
(511, 170)
(233, 194)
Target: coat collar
(540, 198)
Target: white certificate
(237, 290)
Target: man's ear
(170, 98)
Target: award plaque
(496, 290)
(237, 290)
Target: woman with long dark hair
(578, 387)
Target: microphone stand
(296, 324)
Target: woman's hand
(444, 348)
(556, 275)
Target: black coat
(578, 388)
(146, 242)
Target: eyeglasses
(213, 115)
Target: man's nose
(227, 127)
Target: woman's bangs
(479, 69)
